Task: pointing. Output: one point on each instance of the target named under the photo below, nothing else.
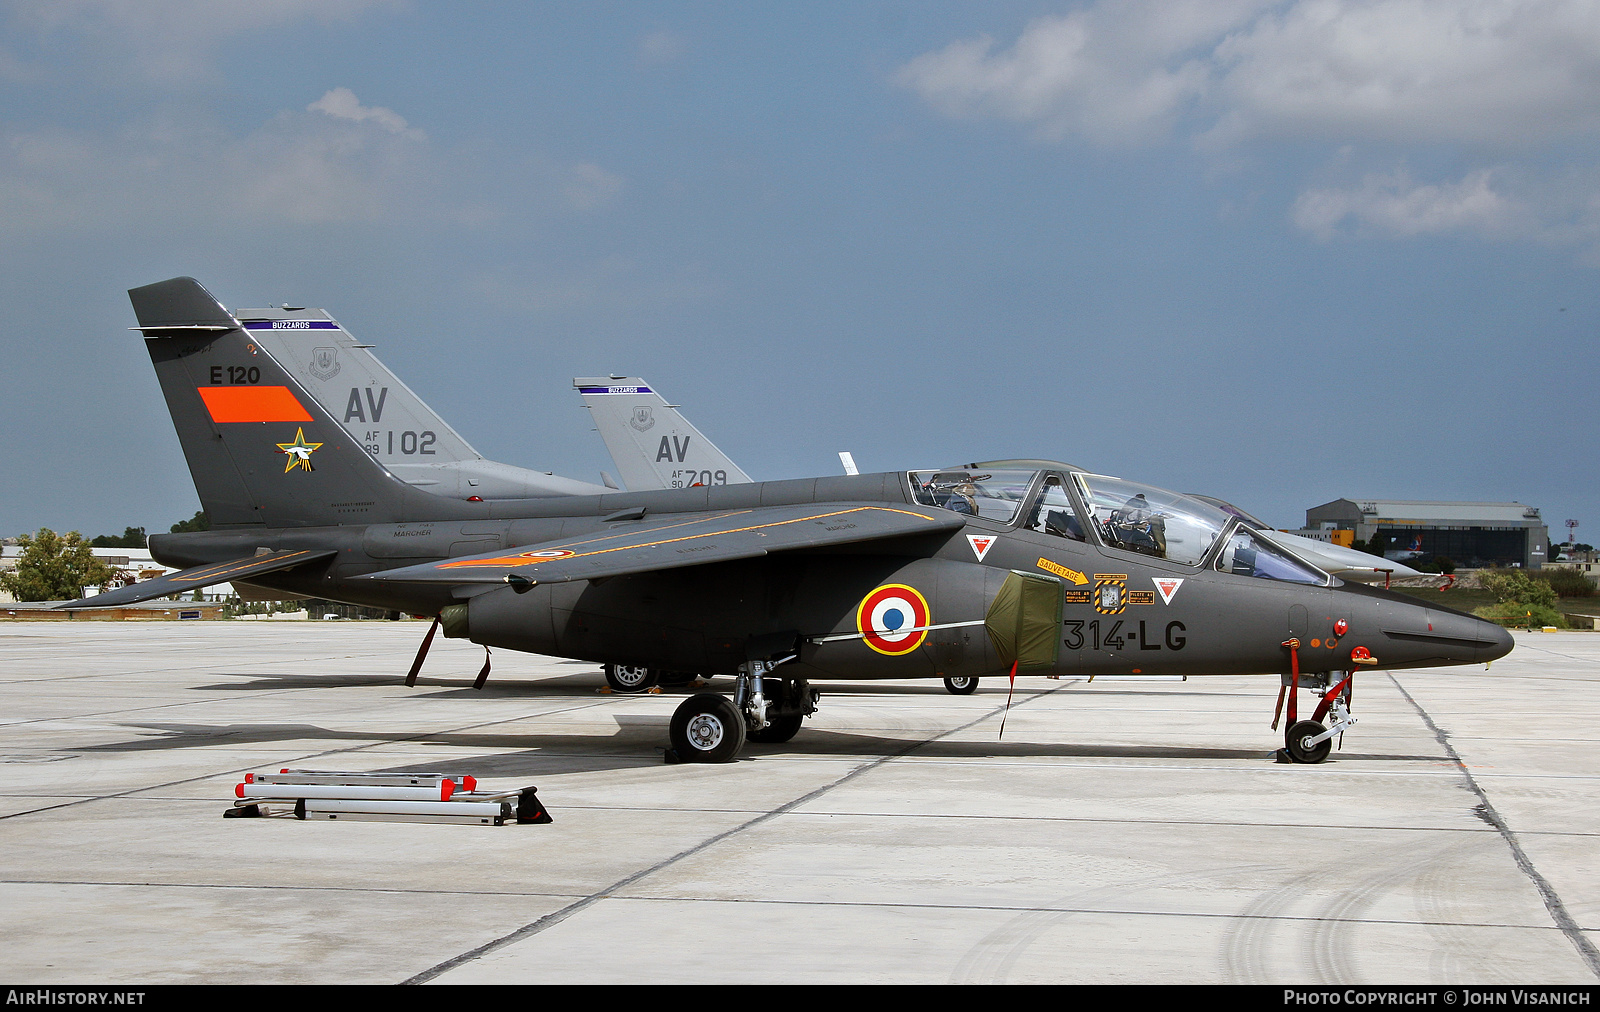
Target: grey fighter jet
(990, 568)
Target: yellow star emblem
(299, 452)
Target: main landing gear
(638, 678)
(961, 685)
(711, 728)
(630, 677)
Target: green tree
(54, 567)
(199, 522)
(1524, 599)
(132, 537)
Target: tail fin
(394, 425)
(260, 449)
(653, 445)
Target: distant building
(1472, 534)
(132, 564)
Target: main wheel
(778, 730)
(629, 678)
(707, 728)
(1295, 739)
(962, 685)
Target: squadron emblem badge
(299, 452)
(1110, 593)
(325, 363)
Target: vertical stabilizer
(653, 445)
(261, 450)
(386, 417)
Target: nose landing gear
(1310, 741)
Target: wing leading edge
(683, 540)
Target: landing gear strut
(1310, 741)
(711, 728)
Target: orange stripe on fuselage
(253, 404)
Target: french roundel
(893, 619)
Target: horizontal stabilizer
(694, 539)
(197, 577)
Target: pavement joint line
(1117, 911)
(263, 693)
(304, 758)
(956, 816)
(846, 904)
(282, 888)
(166, 670)
(1546, 650)
(1552, 900)
(551, 919)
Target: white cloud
(589, 186)
(1509, 84)
(341, 103)
(172, 40)
(1500, 203)
(1393, 203)
(298, 167)
(1499, 72)
(1114, 73)
(336, 162)
(1484, 72)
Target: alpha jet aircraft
(1026, 567)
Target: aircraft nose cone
(1500, 645)
(1408, 633)
(1462, 639)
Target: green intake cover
(1024, 621)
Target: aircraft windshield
(993, 495)
(1247, 554)
(1152, 521)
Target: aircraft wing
(680, 540)
(199, 576)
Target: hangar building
(1472, 534)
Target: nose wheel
(1307, 741)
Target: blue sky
(1273, 252)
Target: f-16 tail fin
(261, 450)
(390, 421)
(653, 445)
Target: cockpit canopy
(1125, 515)
(993, 495)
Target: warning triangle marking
(981, 543)
(1168, 586)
